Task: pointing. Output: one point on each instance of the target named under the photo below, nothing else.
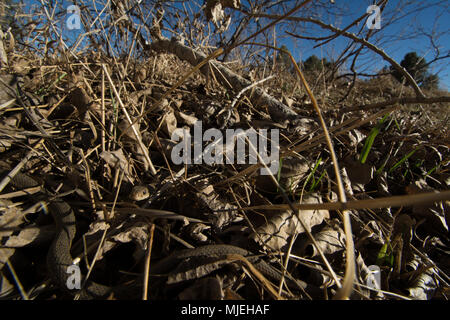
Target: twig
(259, 275)
(124, 110)
(385, 202)
(235, 100)
(147, 262)
(364, 42)
(19, 166)
(17, 281)
(277, 110)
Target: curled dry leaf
(137, 233)
(293, 170)
(20, 66)
(169, 123)
(436, 214)
(185, 118)
(194, 230)
(116, 159)
(214, 11)
(330, 239)
(80, 100)
(99, 225)
(356, 137)
(278, 230)
(358, 173)
(211, 199)
(424, 286)
(363, 272)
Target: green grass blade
(402, 160)
(370, 140)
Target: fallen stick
(278, 111)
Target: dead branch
(352, 36)
(278, 111)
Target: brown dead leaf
(214, 11)
(424, 286)
(358, 173)
(185, 118)
(137, 233)
(435, 215)
(281, 227)
(293, 170)
(116, 159)
(13, 236)
(330, 239)
(169, 123)
(127, 130)
(208, 197)
(80, 100)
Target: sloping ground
(67, 124)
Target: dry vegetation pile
(95, 131)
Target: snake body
(59, 257)
(222, 250)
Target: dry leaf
(127, 130)
(278, 230)
(330, 239)
(138, 233)
(293, 170)
(434, 214)
(211, 199)
(214, 11)
(169, 123)
(358, 173)
(185, 118)
(80, 100)
(116, 159)
(424, 286)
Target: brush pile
(97, 130)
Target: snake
(59, 258)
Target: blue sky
(431, 20)
(427, 17)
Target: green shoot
(370, 139)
